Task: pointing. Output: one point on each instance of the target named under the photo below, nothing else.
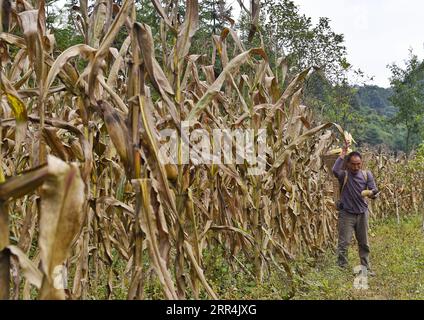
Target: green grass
(397, 257)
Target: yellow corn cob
(348, 138)
(367, 193)
(338, 151)
(171, 171)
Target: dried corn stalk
(155, 218)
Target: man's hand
(372, 194)
(375, 194)
(344, 150)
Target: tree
(213, 15)
(408, 98)
(288, 32)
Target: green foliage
(365, 111)
(408, 98)
(418, 162)
(146, 13)
(420, 153)
(287, 31)
(213, 14)
(213, 17)
(397, 259)
(335, 103)
(376, 98)
(242, 284)
(376, 129)
(65, 38)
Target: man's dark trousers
(347, 224)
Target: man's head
(354, 162)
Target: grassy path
(397, 257)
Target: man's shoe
(358, 270)
(371, 273)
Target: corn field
(82, 181)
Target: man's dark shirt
(351, 197)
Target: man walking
(352, 207)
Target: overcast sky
(377, 32)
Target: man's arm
(371, 184)
(338, 166)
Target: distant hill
(376, 98)
(370, 119)
(376, 109)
